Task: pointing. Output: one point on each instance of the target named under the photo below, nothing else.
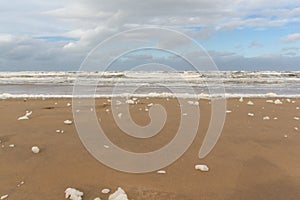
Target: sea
(45, 84)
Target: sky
(57, 35)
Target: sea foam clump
(119, 194)
(73, 194)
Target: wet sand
(253, 159)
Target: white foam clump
(270, 101)
(296, 128)
(97, 198)
(228, 111)
(296, 118)
(161, 172)
(35, 149)
(271, 94)
(195, 103)
(277, 102)
(241, 100)
(266, 118)
(129, 101)
(105, 191)
(119, 194)
(69, 104)
(250, 114)
(68, 122)
(203, 168)
(4, 196)
(120, 115)
(73, 194)
(250, 103)
(26, 116)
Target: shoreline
(5, 96)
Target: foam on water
(39, 84)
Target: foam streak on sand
(26, 116)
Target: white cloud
(292, 37)
(92, 21)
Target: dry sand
(252, 160)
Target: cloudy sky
(238, 35)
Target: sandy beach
(254, 159)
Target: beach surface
(257, 156)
